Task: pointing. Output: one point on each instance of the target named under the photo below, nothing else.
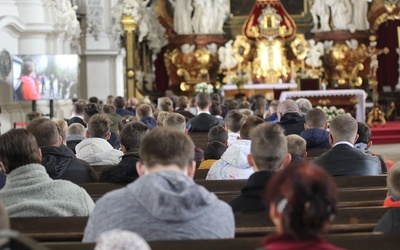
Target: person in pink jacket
(30, 86)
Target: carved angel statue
(226, 56)
(182, 16)
(352, 44)
(187, 48)
(328, 45)
(213, 48)
(315, 52)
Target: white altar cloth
(359, 93)
(262, 86)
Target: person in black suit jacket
(343, 159)
(204, 121)
(290, 118)
(181, 106)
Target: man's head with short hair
(161, 116)
(269, 149)
(143, 110)
(62, 127)
(32, 115)
(175, 121)
(203, 101)
(109, 109)
(214, 150)
(251, 123)
(119, 102)
(131, 135)
(304, 105)
(76, 131)
(218, 133)
(91, 109)
(94, 99)
(288, 106)
(165, 104)
(18, 148)
(393, 182)
(364, 133)
(78, 107)
(234, 120)
(45, 132)
(316, 118)
(110, 100)
(182, 102)
(343, 128)
(99, 126)
(166, 149)
(215, 109)
(296, 145)
(273, 106)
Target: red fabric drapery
(162, 79)
(388, 64)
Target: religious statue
(320, 14)
(227, 57)
(316, 50)
(200, 18)
(342, 12)
(360, 19)
(182, 16)
(373, 53)
(221, 12)
(376, 115)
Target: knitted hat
(393, 181)
(118, 239)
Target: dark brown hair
(99, 126)
(251, 123)
(315, 118)
(18, 147)
(45, 132)
(131, 135)
(166, 146)
(203, 100)
(218, 133)
(305, 196)
(234, 120)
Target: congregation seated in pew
(315, 133)
(29, 191)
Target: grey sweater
(164, 205)
(30, 192)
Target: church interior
(343, 56)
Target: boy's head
(203, 101)
(251, 123)
(182, 102)
(273, 106)
(78, 107)
(166, 149)
(296, 145)
(76, 131)
(119, 102)
(218, 133)
(143, 110)
(214, 150)
(31, 115)
(215, 108)
(316, 118)
(62, 127)
(45, 132)
(165, 104)
(99, 126)
(269, 149)
(18, 147)
(393, 182)
(131, 135)
(234, 121)
(175, 121)
(364, 134)
(91, 109)
(161, 115)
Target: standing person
(301, 200)
(29, 191)
(29, 82)
(164, 203)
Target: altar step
(389, 134)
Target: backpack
(18, 95)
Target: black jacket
(316, 138)
(76, 120)
(61, 163)
(293, 123)
(251, 197)
(344, 160)
(124, 172)
(203, 123)
(390, 222)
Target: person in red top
(30, 85)
(302, 202)
(393, 184)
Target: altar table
(258, 88)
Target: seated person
(31, 115)
(233, 163)
(393, 185)
(204, 121)
(271, 115)
(29, 191)
(234, 120)
(304, 105)
(315, 133)
(95, 149)
(145, 114)
(62, 127)
(218, 133)
(181, 107)
(59, 161)
(125, 172)
(164, 203)
(296, 147)
(343, 159)
(364, 143)
(290, 117)
(160, 117)
(125, 120)
(268, 154)
(77, 113)
(212, 153)
(76, 133)
(215, 110)
(300, 222)
(109, 111)
(178, 122)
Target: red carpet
(386, 135)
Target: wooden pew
(100, 168)
(200, 174)
(200, 139)
(356, 241)
(349, 220)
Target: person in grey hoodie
(164, 203)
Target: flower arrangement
(203, 87)
(331, 112)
